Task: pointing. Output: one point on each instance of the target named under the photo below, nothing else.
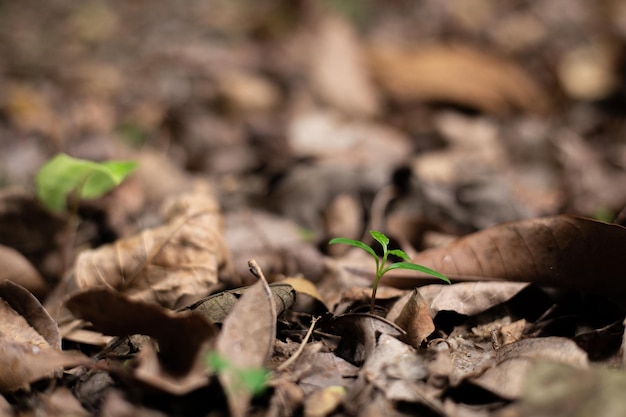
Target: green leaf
(255, 380)
(415, 267)
(356, 243)
(380, 238)
(400, 254)
(63, 175)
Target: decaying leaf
(18, 269)
(414, 318)
(561, 390)
(469, 298)
(246, 341)
(30, 344)
(163, 265)
(181, 336)
(24, 319)
(506, 377)
(359, 333)
(216, 307)
(458, 74)
(337, 69)
(559, 251)
(23, 363)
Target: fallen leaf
(216, 307)
(458, 74)
(359, 333)
(338, 70)
(414, 318)
(23, 363)
(508, 374)
(181, 336)
(560, 251)
(162, 265)
(246, 341)
(469, 298)
(561, 390)
(324, 401)
(16, 268)
(24, 319)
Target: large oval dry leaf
(457, 74)
(560, 251)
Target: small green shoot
(64, 176)
(381, 268)
(253, 380)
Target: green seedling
(64, 179)
(252, 380)
(381, 264)
(64, 176)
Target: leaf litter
(481, 140)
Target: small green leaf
(255, 380)
(63, 175)
(415, 267)
(356, 243)
(400, 254)
(380, 238)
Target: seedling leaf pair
(64, 175)
(380, 263)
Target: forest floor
(486, 139)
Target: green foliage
(253, 380)
(63, 176)
(381, 268)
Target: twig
(298, 352)
(256, 270)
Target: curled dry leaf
(414, 318)
(559, 251)
(246, 341)
(162, 265)
(30, 344)
(359, 333)
(459, 74)
(216, 307)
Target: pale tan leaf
(458, 74)
(246, 341)
(16, 268)
(338, 69)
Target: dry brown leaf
(163, 265)
(338, 68)
(506, 377)
(246, 341)
(414, 318)
(16, 268)
(216, 307)
(469, 298)
(23, 318)
(459, 74)
(558, 390)
(181, 336)
(559, 251)
(23, 363)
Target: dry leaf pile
(484, 138)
